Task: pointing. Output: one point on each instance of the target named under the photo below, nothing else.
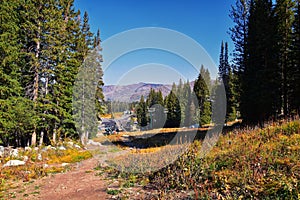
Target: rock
(1, 151)
(14, 163)
(39, 157)
(28, 149)
(77, 146)
(36, 148)
(49, 147)
(64, 164)
(91, 142)
(62, 148)
(14, 153)
(70, 143)
(53, 148)
(25, 159)
(45, 165)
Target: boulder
(11, 163)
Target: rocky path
(82, 181)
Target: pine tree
(260, 99)
(89, 84)
(141, 112)
(239, 14)
(202, 93)
(155, 103)
(227, 77)
(190, 107)
(284, 21)
(99, 76)
(174, 112)
(42, 47)
(17, 117)
(222, 70)
(294, 97)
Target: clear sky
(205, 21)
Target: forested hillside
(42, 46)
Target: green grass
(113, 191)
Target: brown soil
(82, 181)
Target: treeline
(43, 45)
(263, 81)
(182, 107)
(118, 106)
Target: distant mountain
(133, 92)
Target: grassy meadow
(244, 164)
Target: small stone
(14, 163)
(64, 164)
(62, 148)
(25, 159)
(36, 148)
(14, 153)
(49, 147)
(91, 142)
(70, 143)
(45, 165)
(39, 157)
(1, 150)
(77, 146)
(28, 149)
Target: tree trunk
(36, 81)
(41, 138)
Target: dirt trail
(81, 182)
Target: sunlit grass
(244, 164)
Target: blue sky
(206, 22)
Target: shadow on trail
(168, 138)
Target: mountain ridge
(133, 92)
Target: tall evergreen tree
(174, 112)
(239, 14)
(202, 93)
(261, 87)
(294, 97)
(17, 117)
(227, 77)
(284, 22)
(141, 112)
(42, 47)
